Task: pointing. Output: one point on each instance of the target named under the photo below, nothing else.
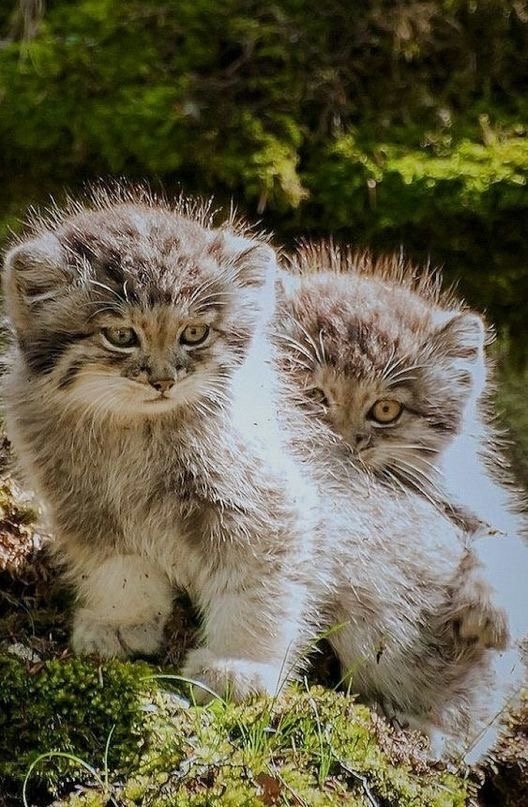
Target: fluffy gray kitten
(138, 404)
(151, 415)
(397, 368)
(402, 582)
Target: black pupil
(194, 334)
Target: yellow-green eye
(386, 411)
(194, 334)
(122, 338)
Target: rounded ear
(256, 266)
(33, 273)
(462, 337)
(253, 263)
(249, 264)
(36, 267)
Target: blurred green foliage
(385, 122)
(392, 123)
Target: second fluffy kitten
(397, 369)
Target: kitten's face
(392, 377)
(147, 359)
(136, 310)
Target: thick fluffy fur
(399, 575)
(155, 468)
(145, 405)
(384, 330)
(360, 334)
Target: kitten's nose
(362, 441)
(162, 384)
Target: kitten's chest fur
(125, 485)
(186, 494)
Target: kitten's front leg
(475, 609)
(125, 602)
(252, 634)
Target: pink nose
(162, 384)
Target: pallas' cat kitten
(138, 404)
(415, 629)
(396, 368)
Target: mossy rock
(86, 733)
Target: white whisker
(422, 460)
(199, 292)
(419, 446)
(312, 343)
(394, 480)
(419, 481)
(403, 374)
(106, 288)
(321, 344)
(303, 349)
(296, 361)
(394, 365)
(205, 303)
(112, 308)
(390, 364)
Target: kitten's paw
(231, 678)
(395, 717)
(477, 613)
(484, 625)
(91, 636)
(478, 618)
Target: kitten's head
(392, 374)
(134, 307)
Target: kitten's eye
(194, 334)
(317, 395)
(122, 338)
(386, 411)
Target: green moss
(111, 729)
(70, 706)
